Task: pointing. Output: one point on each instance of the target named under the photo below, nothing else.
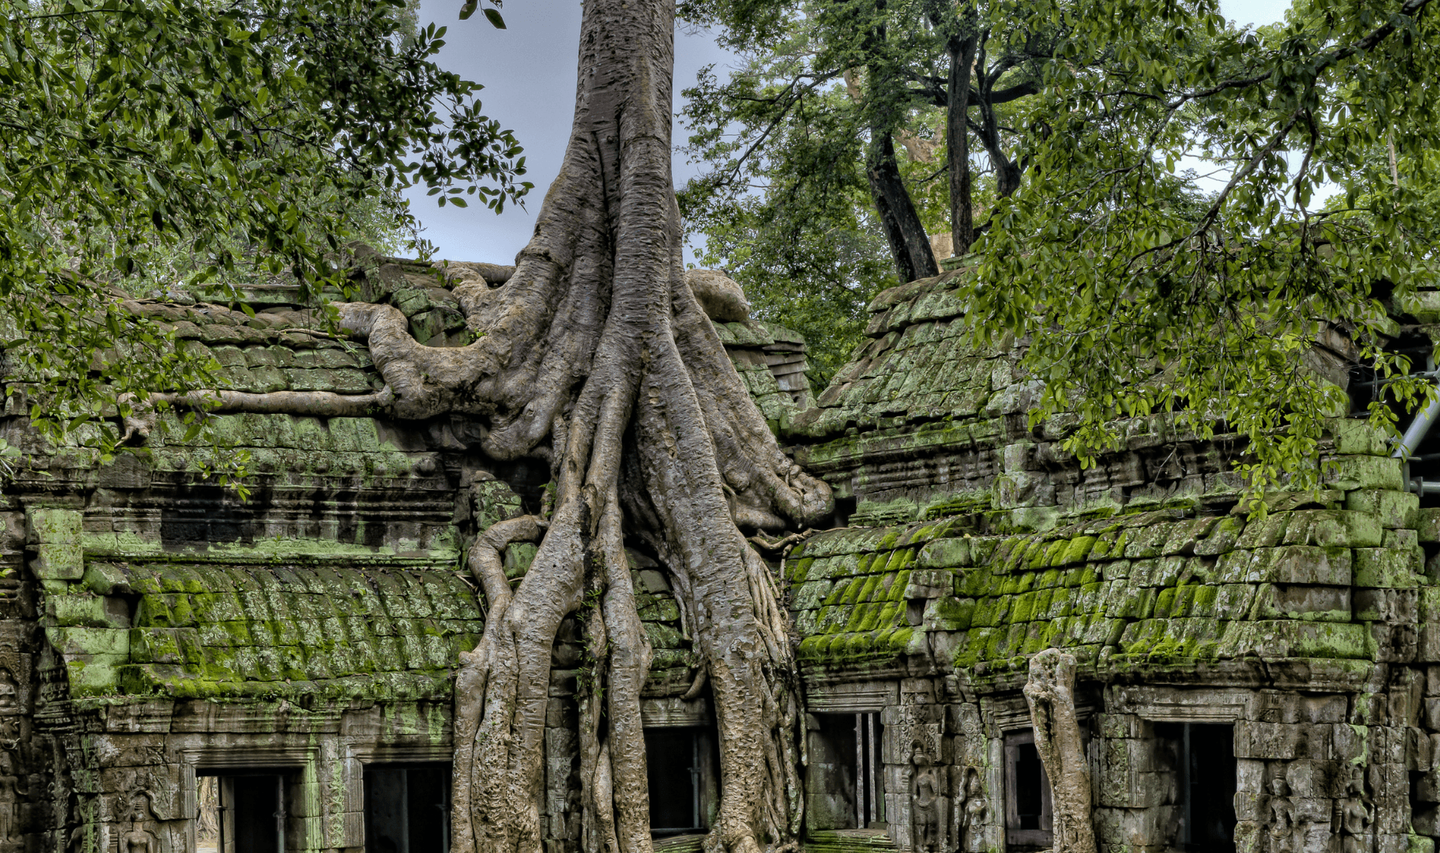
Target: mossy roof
(918, 363)
(216, 631)
(280, 345)
(1152, 589)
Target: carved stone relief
(12, 792)
(974, 813)
(12, 680)
(1281, 829)
(1356, 815)
(926, 798)
(139, 838)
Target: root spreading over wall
(597, 356)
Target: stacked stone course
(155, 629)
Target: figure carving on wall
(11, 792)
(139, 839)
(925, 799)
(1282, 818)
(1356, 815)
(9, 691)
(976, 810)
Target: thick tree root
(596, 355)
(1050, 692)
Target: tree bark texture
(961, 49)
(909, 244)
(1050, 692)
(595, 355)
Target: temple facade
(182, 670)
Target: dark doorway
(1205, 768)
(1028, 811)
(1029, 787)
(676, 763)
(249, 811)
(407, 808)
(844, 785)
(672, 761)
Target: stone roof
(198, 630)
(974, 541)
(1319, 583)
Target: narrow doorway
(680, 771)
(407, 808)
(845, 787)
(1204, 771)
(1029, 821)
(246, 812)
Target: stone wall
(156, 629)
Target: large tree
(596, 356)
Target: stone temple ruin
(183, 671)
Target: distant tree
(805, 245)
(860, 121)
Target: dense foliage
(1133, 308)
(201, 140)
(837, 136)
(1139, 288)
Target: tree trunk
(909, 244)
(1007, 172)
(961, 49)
(596, 356)
(1050, 692)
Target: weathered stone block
(1363, 472)
(1354, 437)
(1294, 564)
(74, 641)
(1418, 756)
(1391, 508)
(1387, 605)
(1349, 743)
(48, 525)
(946, 553)
(1288, 601)
(1393, 568)
(1247, 836)
(1281, 741)
(88, 610)
(1427, 524)
(1295, 639)
(1395, 643)
(1331, 527)
(59, 561)
(1222, 537)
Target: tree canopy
(200, 139)
(868, 126)
(1132, 307)
(1135, 286)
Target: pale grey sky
(528, 71)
